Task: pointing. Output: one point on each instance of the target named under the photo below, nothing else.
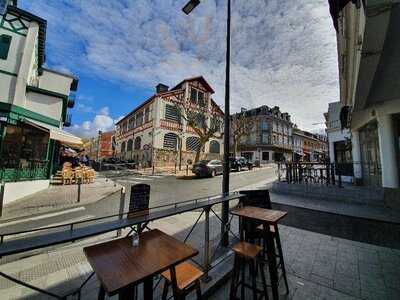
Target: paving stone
(347, 269)
(321, 280)
(324, 268)
(347, 285)
(368, 256)
(392, 280)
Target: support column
(387, 151)
(356, 153)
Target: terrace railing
(49, 236)
(20, 171)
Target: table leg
(174, 283)
(148, 288)
(102, 293)
(241, 229)
(271, 261)
(127, 293)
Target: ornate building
(156, 132)
(269, 138)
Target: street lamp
(187, 9)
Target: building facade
(368, 55)
(157, 133)
(268, 137)
(309, 147)
(33, 105)
(100, 147)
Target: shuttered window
(5, 42)
(192, 143)
(170, 141)
(172, 113)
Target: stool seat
(186, 274)
(271, 228)
(247, 250)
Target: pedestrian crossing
(136, 179)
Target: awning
(57, 133)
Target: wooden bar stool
(187, 280)
(247, 254)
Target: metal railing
(46, 237)
(329, 173)
(18, 171)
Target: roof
(42, 29)
(198, 78)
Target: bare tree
(241, 125)
(205, 122)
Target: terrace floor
(319, 266)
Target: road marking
(45, 216)
(83, 218)
(143, 178)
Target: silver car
(205, 168)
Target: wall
(55, 82)
(43, 104)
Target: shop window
(265, 156)
(5, 42)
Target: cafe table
(267, 217)
(120, 266)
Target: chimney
(161, 88)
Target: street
(165, 189)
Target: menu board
(139, 199)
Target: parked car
(240, 163)
(205, 168)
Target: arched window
(123, 147)
(138, 143)
(192, 143)
(170, 141)
(215, 147)
(129, 146)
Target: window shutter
(5, 42)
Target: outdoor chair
(78, 175)
(187, 280)
(67, 176)
(254, 231)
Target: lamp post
(187, 9)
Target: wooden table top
(117, 263)
(261, 214)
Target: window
(138, 143)
(197, 97)
(170, 141)
(130, 145)
(265, 156)
(215, 147)
(5, 42)
(264, 138)
(216, 124)
(147, 115)
(172, 113)
(139, 119)
(123, 147)
(198, 119)
(192, 143)
(264, 125)
(131, 123)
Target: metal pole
(79, 190)
(207, 278)
(1, 198)
(121, 208)
(225, 178)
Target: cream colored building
(369, 69)
(33, 105)
(155, 133)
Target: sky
(283, 53)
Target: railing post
(121, 208)
(206, 266)
(79, 190)
(2, 186)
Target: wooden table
(119, 266)
(267, 217)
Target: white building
(154, 133)
(33, 105)
(369, 69)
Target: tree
(241, 125)
(205, 122)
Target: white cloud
(104, 111)
(283, 52)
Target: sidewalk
(58, 197)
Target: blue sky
(283, 53)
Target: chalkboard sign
(139, 200)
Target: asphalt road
(164, 190)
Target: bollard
(206, 264)
(2, 186)
(79, 190)
(121, 208)
(175, 167)
(152, 171)
(187, 170)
